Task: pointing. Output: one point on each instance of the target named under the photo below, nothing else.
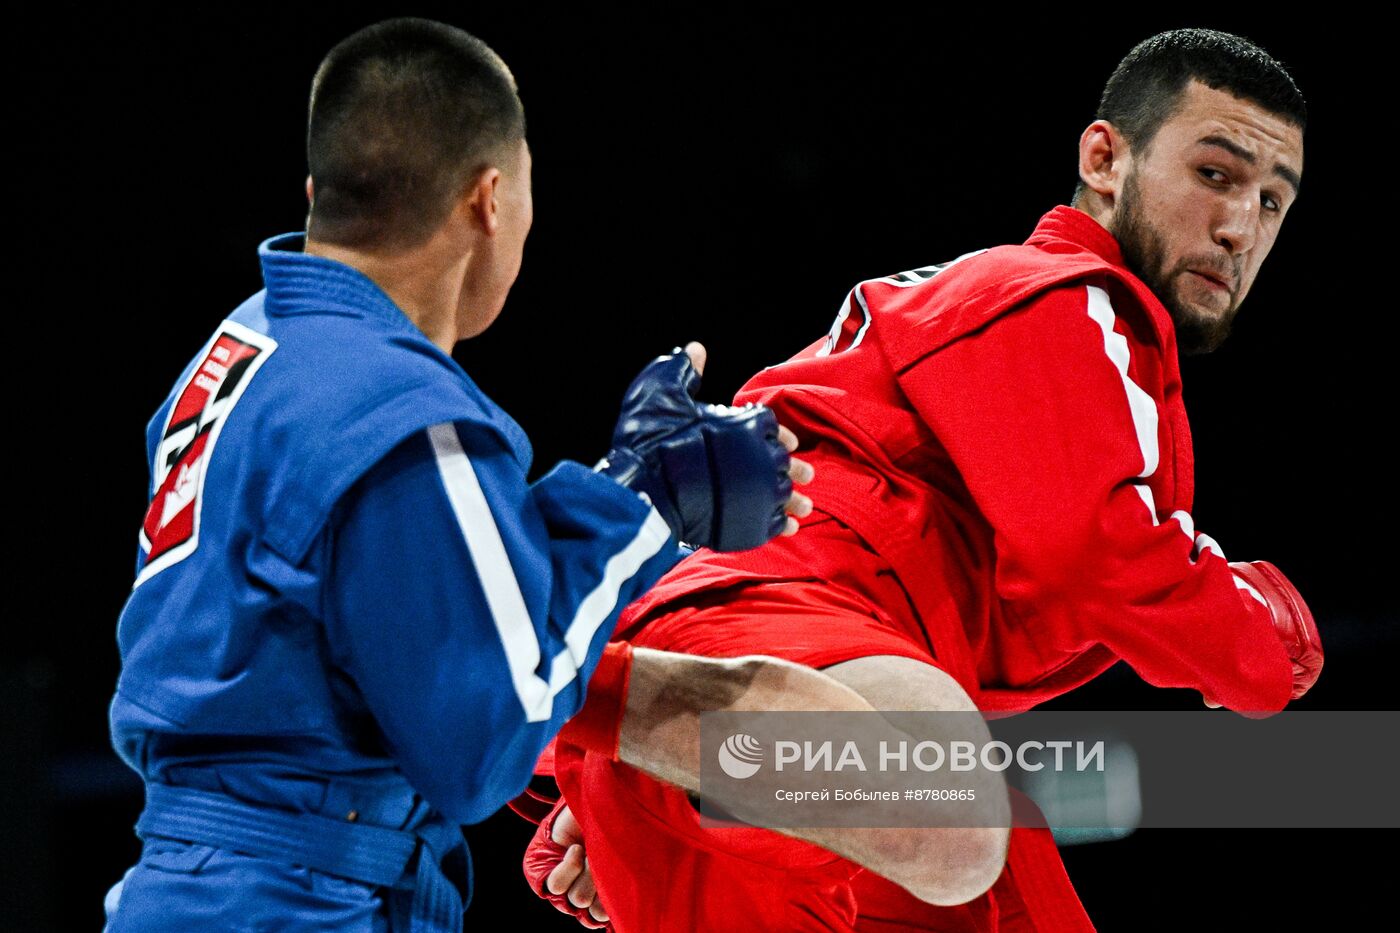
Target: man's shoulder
(1011, 272)
(342, 358)
(334, 396)
(918, 318)
(333, 377)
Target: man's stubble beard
(1144, 253)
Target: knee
(948, 866)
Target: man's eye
(1210, 173)
(1271, 203)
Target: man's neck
(426, 288)
(1097, 208)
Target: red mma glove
(1292, 621)
(558, 842)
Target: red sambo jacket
(1006, 433)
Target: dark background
(703, 174)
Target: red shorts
(658, 869)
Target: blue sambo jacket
(349, 602)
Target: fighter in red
(1003, 510)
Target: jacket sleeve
(1045, 415)
(470, 608)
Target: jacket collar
(1064, 223)
(298, 283)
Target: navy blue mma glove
(718, 475)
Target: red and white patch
(170, 531)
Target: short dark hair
(403, 115)
(1146, 88)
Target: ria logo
(741, 756)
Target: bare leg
(661, 736)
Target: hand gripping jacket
(355, 624)
(718, 475)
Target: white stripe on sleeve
(599, 604)
(502, 590)
(1240, 584)
(1144, 413)
(1205, 542)
(1145, 494)
(1143, 408)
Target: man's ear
(310, 191)
(479, 200)
(1103, 160)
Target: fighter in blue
(355, 624)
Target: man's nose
(1238, 225)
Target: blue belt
(367, 854)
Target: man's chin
(1199, 330)
(1198, 333)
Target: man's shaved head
(404, 114)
